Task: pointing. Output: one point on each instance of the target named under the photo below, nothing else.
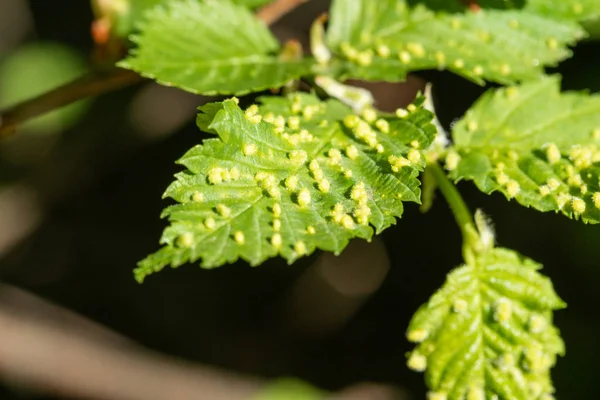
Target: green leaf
(126, 15)
(384, 40)
(210, 47)
(579, 10)
(288, 177)
(534, 144)
(460, 6)
(488, 331)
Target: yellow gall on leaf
(544, 190)
(382, 125)
(552, 43)
(291, 183)
(298, 157)
(351, 121)
(277, 210)
(347, 222)
(475, 393)
(215, 175)
(578, 205)
(502, 178)
(249, 149)
(452, 160)
(553, 153)
(303, 198)
(536, 324)
(383, 51)
(300, 248)
(416, 48)
(478, 70)
(186, 240)
(596, 199)
(458, 63)
(352, 152)
(401, 113)
(512, 188)
(472, 126)
(324, 185)
(311, 230)
(198, 197)
(404, 57)
(553, 183)
(335, 156)
(210, 223)
(440, 58)
(239, 237)
(417, 335)
(437, 396)
(369, 114)
(417, 362)
(414, 156)
(502, 310)
(276, 225)
(338, 213)
(276, 240)
(505, 69)
(223, 210)
(460, 306)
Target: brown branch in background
(89, 85)
(271, 13)
(99, 82)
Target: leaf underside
(288, 177)
(210, 47)
(383, 40)
(488, 331)
(534, 144)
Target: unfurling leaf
(383, 40)
(534, 144)
(290, 176)
(488, 332)
(210, 47)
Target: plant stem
(98, 82)
(461, 212)
(272, 12)
(92, 84)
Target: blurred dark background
(79, 207)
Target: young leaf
(126, 15)
(384, 40)
(290, 176)
(534, 144)
(210, 47)
(488, 333)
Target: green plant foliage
(578, 10)
(488, 331)
(534, 144)
(126, 15)
(384, 40)
(179, 46)
(290, 176)
(460, 5)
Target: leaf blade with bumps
(385, 40)
(288, 177)
(488, 331)
(179, 45)
(534, 144)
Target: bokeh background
(80, 196)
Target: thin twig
(273, 12)
(98, 82)
(90, 85)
